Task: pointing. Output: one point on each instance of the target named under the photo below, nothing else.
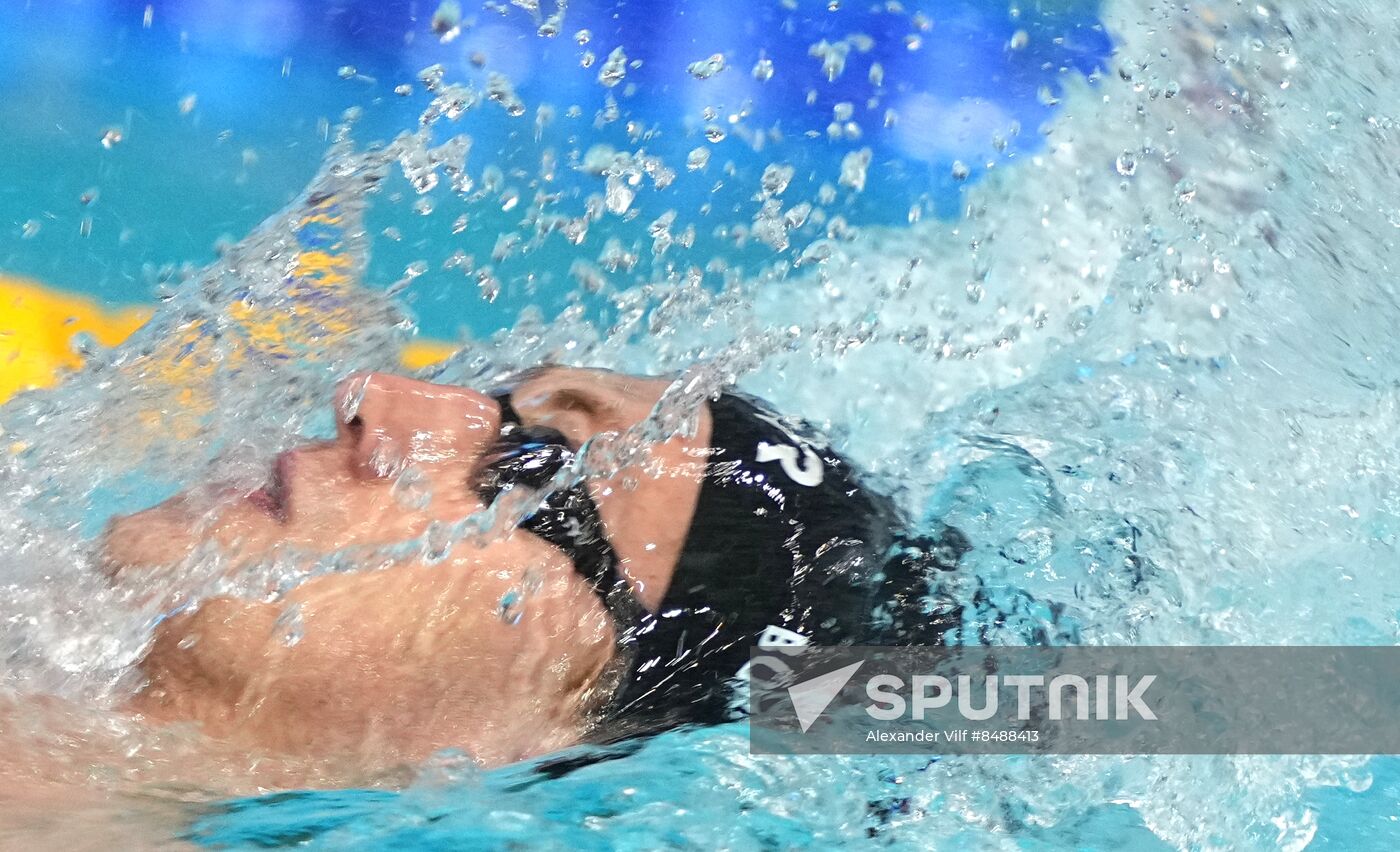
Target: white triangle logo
(810, 697)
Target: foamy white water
(1150, 371)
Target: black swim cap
(787, 546)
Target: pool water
(1143, 357)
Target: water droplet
(1126, 164)
(614, 69)
(704, 69)
(31, 229)
(763, 70)
(854, 167)
(550, 27)
(715, 133)
(583, 36)
(1046, 96)
(500, 90)
(618, 195)
(776, 178)
(403, 90)
(512, 606)
(147, 17)
(698, 159)
(111, 137)
(796, 217)
(289, 628)
(84, 345)
(431, 77)
(488, 284)
(346, 72)
(818, 252)
(412, 489)
(1019, 40)
(447, 19)
(614, 257)
(506, 245)
(437, 542)
(913, 42)
(960, 170)
(877, 74)
(832, 56)
(460, 260)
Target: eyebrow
(510, 381)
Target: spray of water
(1149, 370)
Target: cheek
(244, 531)
(164, 536)
(336, 511)
(160, 536)
(355, 512)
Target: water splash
(1150, 371)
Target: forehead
(573, 387)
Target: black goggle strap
(568, 519)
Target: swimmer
(619, 608)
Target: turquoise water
(1147, 364)
(588, 811)
(224, 117)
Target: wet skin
(399, 663)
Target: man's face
(406, 453)
(409, 453)
(414, 658)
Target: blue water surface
(224, 109)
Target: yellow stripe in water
(37, 325)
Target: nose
(387, 422)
